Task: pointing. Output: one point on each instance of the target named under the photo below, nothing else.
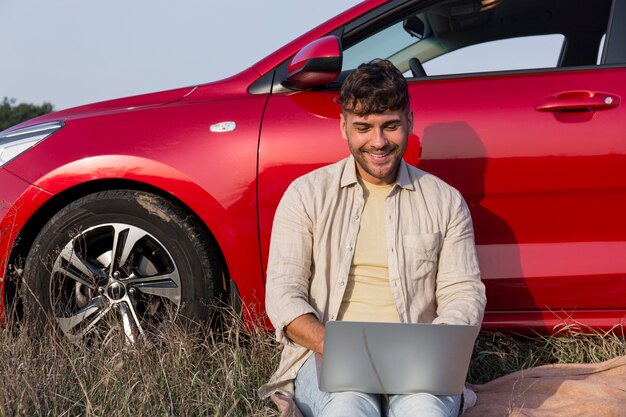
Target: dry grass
(498, 354)
(188, 371)
(197, 372)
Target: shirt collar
(349, 175)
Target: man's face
(378, 142)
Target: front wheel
(119, 262)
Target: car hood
(109, 106)
(228, 87)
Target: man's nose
(379, 139)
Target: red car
(137, 209)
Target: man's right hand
(307, 331)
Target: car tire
(122, 260)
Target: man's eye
(392, 127)
(362, 129)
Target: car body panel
(18, 203)
(546, 189)
(159, 158)
(530, 178)
(535, 182)
(111, 106)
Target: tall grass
(188, 371)
(194, 371)
(497, 354)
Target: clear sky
(72, 52)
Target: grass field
(197, 372)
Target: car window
(541, 51)
(383, 44)
(470, 36)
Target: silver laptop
(395, 358)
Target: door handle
(578, 101)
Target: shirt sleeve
(289, 265)
(460, 293)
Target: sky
(73, 52)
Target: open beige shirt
(433, 269)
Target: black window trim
(615, 44)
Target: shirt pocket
(421, 252)
(424, 246)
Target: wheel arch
(46, 211)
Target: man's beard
(364, 157)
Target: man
(369, 238)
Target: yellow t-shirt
(368, 294)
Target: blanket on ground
(563, 390)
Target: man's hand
(307, 331)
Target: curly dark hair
(374, 87)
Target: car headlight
(18, 141)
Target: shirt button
(391, 250)
(332, 317)
(349, 248)
(341, 283)
(293, 373)
(356, 217)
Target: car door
(518, 104)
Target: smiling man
(369, 238)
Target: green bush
(12, 114)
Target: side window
(384, 44)
(469, 36)
(540, 51)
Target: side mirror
(316, 64)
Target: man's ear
(343, 126)
(410, 120)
